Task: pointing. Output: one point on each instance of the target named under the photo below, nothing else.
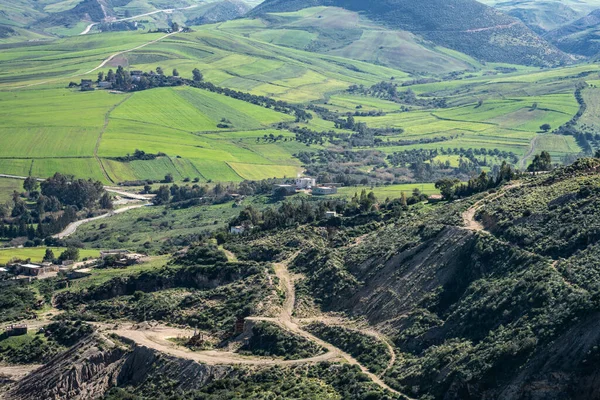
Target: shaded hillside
(217, 12)
(580, 37)
(463, 25)
(479, 315)
(344, 33)
(543, 15)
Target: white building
(240, 229)
(305, 183)
(324, 191)
(330, 214)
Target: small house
(105, 85)
(113, 253)
(305, 183)
(35, 269)
(324, 191)
(240, 229)
(86, 84)
(3, 272)
(330, 214)
(16, 330)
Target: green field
(48, 128)
(36, 254)
(7, 187)
(389, 191)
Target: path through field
(102, 64)
(530, 151)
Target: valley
(300, 199)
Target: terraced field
(48, 128)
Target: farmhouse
(104, 85)
(35, 269)
(3, 272)
(324, 190)
(330, 214)
(113, 253)
(240, 229)
(15, 330)
(86, 84)
(305, 183)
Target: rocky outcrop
(93, 366)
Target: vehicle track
(157, 338)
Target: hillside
(343, 33)
(32, 20)
(544, 15)
(494, 296)
(477, 30)
(579, 37)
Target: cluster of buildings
(118, 258)
(307, 184)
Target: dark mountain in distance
(464, 25)
(580, 37)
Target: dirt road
(166, 11)
(102, 64)
(468, 216)
(72, 228)
(157, 338)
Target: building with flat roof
(324, 190)
(305, 183)
(35, 269)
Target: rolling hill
(544, 15)
(464, 25)
(28, 20)
(580, 37)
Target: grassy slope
(37, 254)
(38, 122)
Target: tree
(31, 184)
(541, 162)
(197, 75)
(546, 128)
(106, 202)
(175, 72)
(71, 254)
(175, 27)
(169, 178)
(446, 187)
(100, 76)
(49, 256)
(163, 195)
(159, 71)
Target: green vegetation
(369, 351)
(320, 381)
(16, 302)
(37, 254)
(27, 349)
(270, 340)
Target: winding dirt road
(157, 338)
